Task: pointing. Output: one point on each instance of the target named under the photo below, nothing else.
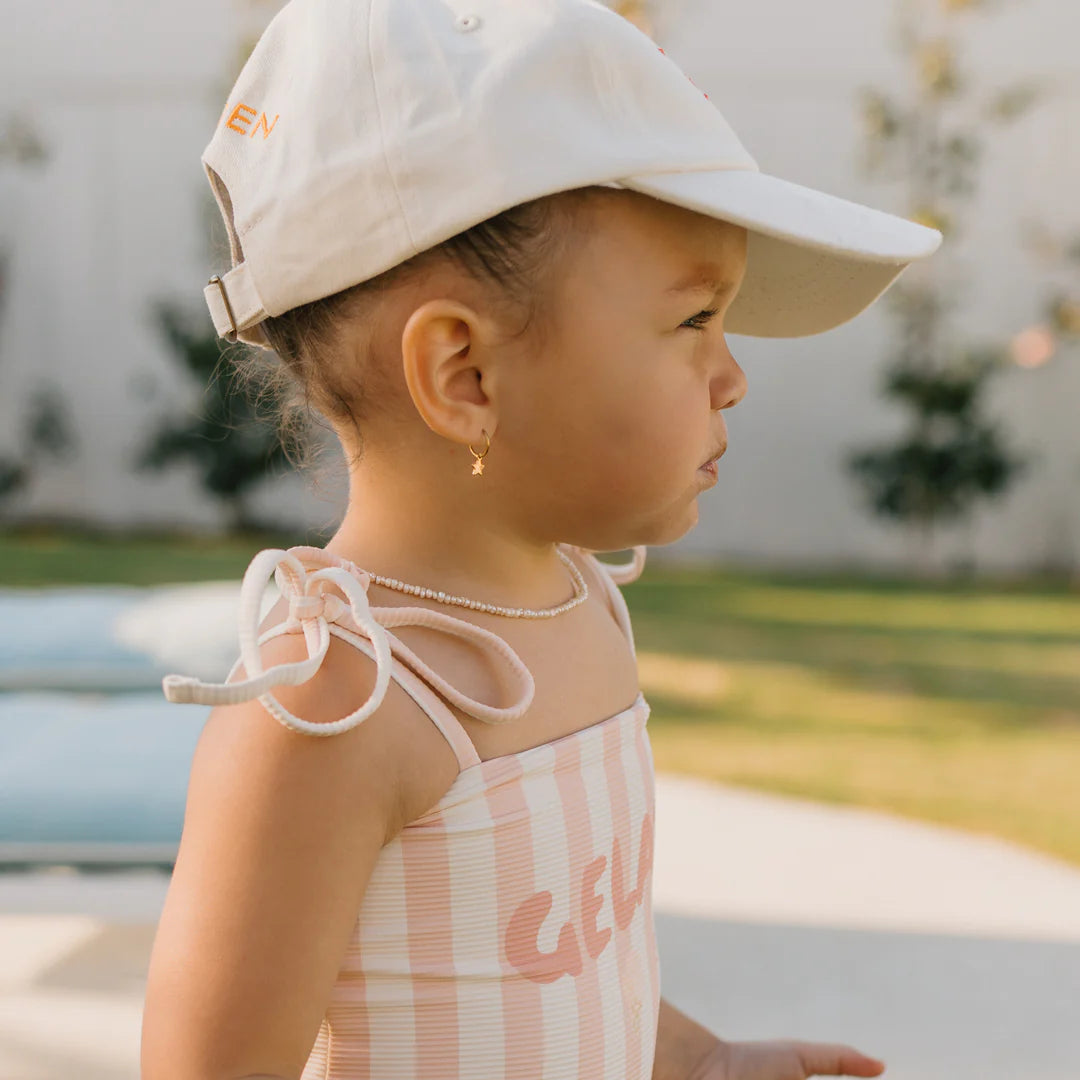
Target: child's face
(635, 389)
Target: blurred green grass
(50, 557)
(953, 703)
(956, 703)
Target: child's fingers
(837, 1059)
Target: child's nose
(729, 385)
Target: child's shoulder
(397, 743)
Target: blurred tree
(1059, 327)
(636, 11)
(231, 445)
(1056, 332)
(951, 456)
(44, 427)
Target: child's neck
(441, 539)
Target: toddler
(497, 245)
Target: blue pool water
(94, 761)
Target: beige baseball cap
(362, 132)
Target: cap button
(465, 23)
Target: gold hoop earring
(478, 464)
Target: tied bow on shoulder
(315, 611)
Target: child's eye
(693, 324)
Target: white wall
(126, 97)
(125, 94)
(785, 73)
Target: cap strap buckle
(231, 335)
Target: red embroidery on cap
(688, 77)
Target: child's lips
(715, 458)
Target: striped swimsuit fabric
(507, 934)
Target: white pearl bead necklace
(581, 592)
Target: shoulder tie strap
(614, 575)
(624, 573)
(315, 609)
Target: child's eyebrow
(700, 281)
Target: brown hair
(305, 377)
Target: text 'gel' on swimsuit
(506, 934)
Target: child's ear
(444, 362)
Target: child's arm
(680, 1043)
(281, 831)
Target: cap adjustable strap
(233, 302)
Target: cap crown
(361, 132)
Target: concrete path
(947, 955)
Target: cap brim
(814, 260)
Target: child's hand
(785, 1059)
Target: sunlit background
(863, 664)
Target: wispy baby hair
(310, 375)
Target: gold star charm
(478, 466)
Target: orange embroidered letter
(266, 130)
(595, 939)
(522, 934)
(243, 119)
